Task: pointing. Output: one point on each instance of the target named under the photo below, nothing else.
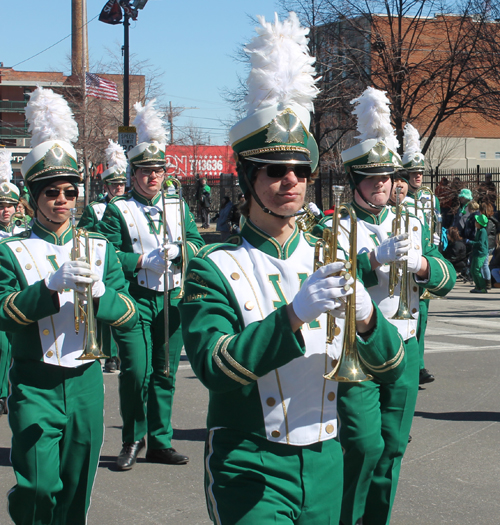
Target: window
(482, 154)
(497, 155)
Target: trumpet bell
(348, 368)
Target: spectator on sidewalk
(495, 264)
(224, 218)
(479, 253)
(456, 251)
(205, 202)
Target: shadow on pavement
(461, 416)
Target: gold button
(46, 332)
(19, 249)
(249, 305)
(417, 247)
(415, 289)
(235, 276)
(270, 401)
(131, 224)
(142, 282)
(412, 332)
(179, 224)
(276, 433)
(331, 396)
(415, 228)
(98, 263)
(135, 240)
(414, 311)
(178, 238)
(125, 211)
(329, 428)
(28, 266)
(50, 353)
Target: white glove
(314, 209)
(320, 293)
(414, 259)
(392, 249)
(436, 239)
(173, 251)
(98, 290)
(364, 305)
(75, 275)
(154, 261)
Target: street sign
(127, 138)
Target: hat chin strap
(261, 204)
(374, 206)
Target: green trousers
(57, 423)
(5, 358)
(375, 422)
(146, 394)
(475, 270)
(421, 327)
(250, 481)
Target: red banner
(208, 161)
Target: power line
(53, 45)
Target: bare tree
(440, 68)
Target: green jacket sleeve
(116, 307)
(113, 227)
(224, 354)
(194, 241)
(88, 220)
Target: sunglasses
(278, 171)
(147, 172)
(69, 193)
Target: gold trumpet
(348, 368)
(306, 221)
(19, 219)
(84, 314)
(184, 261)
(399, 273)
(434, 223)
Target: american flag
(100, 87)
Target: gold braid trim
(234, 363)
(222, 366)
(445, 278)
(129, 313)
(13, 311)
(388, 365)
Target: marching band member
(254, 319)
(9, 198)
(114, 180)
(135, 224)
(57, 401)
(376, 416)
(419, 202)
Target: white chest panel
(4, 235)
(368, 237)
(146, 233)
(99, 209)
(298, 404)
(60, 344)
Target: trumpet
(306, 220)
(84, 314)
(348, 368)
(20, 220)
(184, 256)
(399, 273)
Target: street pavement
(450, 473)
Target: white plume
(5, 166)
(282, 69)
(374, 117)
(411, 141)
(149, 123)
(115, 157)
(50, 118)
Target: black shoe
(129, 453)
(111, 364)
(3, 406)
(488, 285)
(425, 377)
(168, 456)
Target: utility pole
(126, 74)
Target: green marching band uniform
(419, 203)
(376, 416)
(135, 225)
(272, 454)
(57, 401)
(116, 172)
(9, 196)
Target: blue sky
(191, 41)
